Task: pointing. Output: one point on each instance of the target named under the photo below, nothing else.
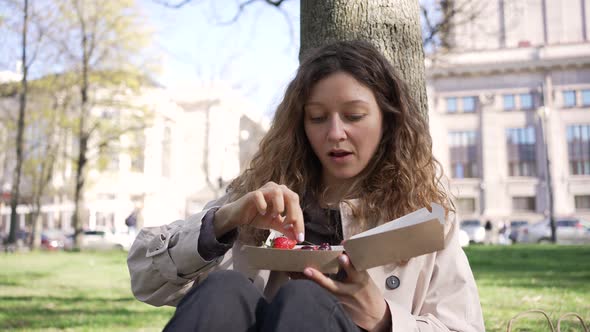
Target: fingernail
(300, 237)
(343, 259)
(308, 273)
(275, 215)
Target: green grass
(512, 279)
(90, 291)
(72, 291)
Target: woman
(348, 150)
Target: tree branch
(177, 5)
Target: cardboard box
(414, 234)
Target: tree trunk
(83, 142)
(392, 26)
(79, 189)
(15, 193)
(36, 229)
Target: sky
(257, 54)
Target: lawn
(72, 291)
(90, 291)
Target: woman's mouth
(339, 155)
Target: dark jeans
(228, 301)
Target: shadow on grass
(38, 312)
(21, 278)
(532, 266)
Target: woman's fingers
(294, 215)
(353, 278)
(318, 277)
(260, 202)
(351, 273)
(274, 199)
(282, 211)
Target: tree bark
(15, 192)
(83, 137)
(392, 26)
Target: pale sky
(257, 54)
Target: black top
(321, 226)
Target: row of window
(467, 205)
(109, 154)
(573, 98)
(521, 152)
(522, 101)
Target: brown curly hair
(401, 177)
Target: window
(585, 97)
(108, 159)
(166, 152)
(137, 152)
(463, 150)
(452, 105)
(521, 151)
(509, 104)
(582, 202)
(569, 98)
(466, 205)
(526, 101)
(524, 204)
(578, 149)
(469, 104)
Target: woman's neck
(335, 191)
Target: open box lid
(414, 234)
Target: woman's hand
(272, 206)
(359, 296)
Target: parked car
(101, 240)
(53, 239)
(515, 225)
(474, 229)
(463, 238)
(567, 231)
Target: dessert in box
(414, 234)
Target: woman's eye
(317, 119)
(354, 117)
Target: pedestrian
(348, 150)
(131, 222)
(489, 232)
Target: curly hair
(402, 175)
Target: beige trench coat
(437, 291)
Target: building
(510, 110)
(191, 149)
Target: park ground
(89, 291)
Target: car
(567, 231)
(474, 230)
(515, 225)
(463, 238)
(53, 239)
(101, 240)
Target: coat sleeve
(164, 261)
(452, 300)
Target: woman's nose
(336, 130)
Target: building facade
(186, 155)
(510, 111)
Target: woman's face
(344, 125)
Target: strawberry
(282, 242)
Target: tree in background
(96, 75)
(45, 127)
(101, 41)
(29, 24)
(438, 17)
(393, 27)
